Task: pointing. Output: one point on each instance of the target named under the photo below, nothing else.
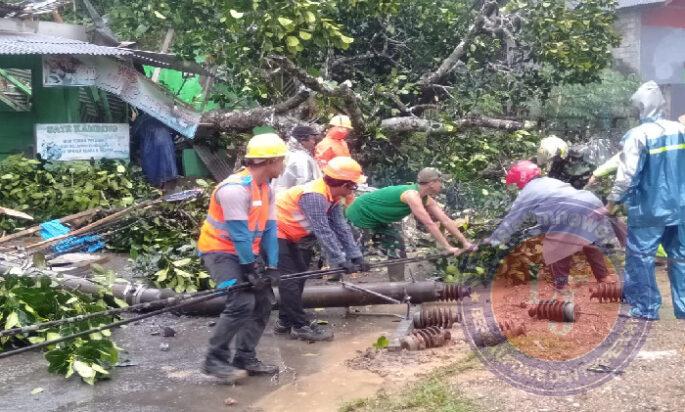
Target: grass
(433, 393)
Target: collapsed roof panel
(32, 43)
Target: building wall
(49, 105)
(628, 25)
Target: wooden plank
(35, 229)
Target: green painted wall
(49, 105)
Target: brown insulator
(507, 330)
(607, 292)
(453, 291)
(555, 310)
(431, 337)
(511, 330)
(440, 316)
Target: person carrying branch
(377, 214)
(314, 210)
(241, 224)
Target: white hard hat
(551, 146)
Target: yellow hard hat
(265, 146)
(341, 120)
(344, 168)
(552, 146)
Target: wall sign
(82, 141)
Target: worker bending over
(314, 210)
(241, 223)
(378, 214)
(573, 220)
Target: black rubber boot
(312, 333)
(255, 367)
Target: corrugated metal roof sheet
(32, 43)
(624, 4)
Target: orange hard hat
(344, 168)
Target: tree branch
(417, 124)
(452, 60)
(248, 119)
(342, 91)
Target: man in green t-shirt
(378, 214)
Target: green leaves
(54, 190)
(26, 301)
(381, 343)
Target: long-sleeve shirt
(235, 203)
(331, 229)
(571, 218)
(300, 168)
(608, 167)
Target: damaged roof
(624, 4)
(28, 8)
(12, 42)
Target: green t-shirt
(380, 207)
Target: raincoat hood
(649, 101)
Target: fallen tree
(395, 67)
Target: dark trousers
(595, 258)
(293, 258)
(244, 316)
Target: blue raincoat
(651, 182)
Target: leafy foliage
(162, 241)
(48, 191)
(25, 301)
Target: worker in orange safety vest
(334, 144)
(240, 225)
(314, 210)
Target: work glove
(249, 271)
(349, 267)
(362, 265)
(273, 275)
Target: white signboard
(125, 82)
(82, 141)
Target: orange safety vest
(215, 239)
(292, 223)
(328, 148)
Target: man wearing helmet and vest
(334, 144)
(376, 214)
(314, 210)
(650, 180)
(566, 164)
(571, 219)
(240, 224)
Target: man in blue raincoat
(650, 181)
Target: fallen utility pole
(337, 295)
